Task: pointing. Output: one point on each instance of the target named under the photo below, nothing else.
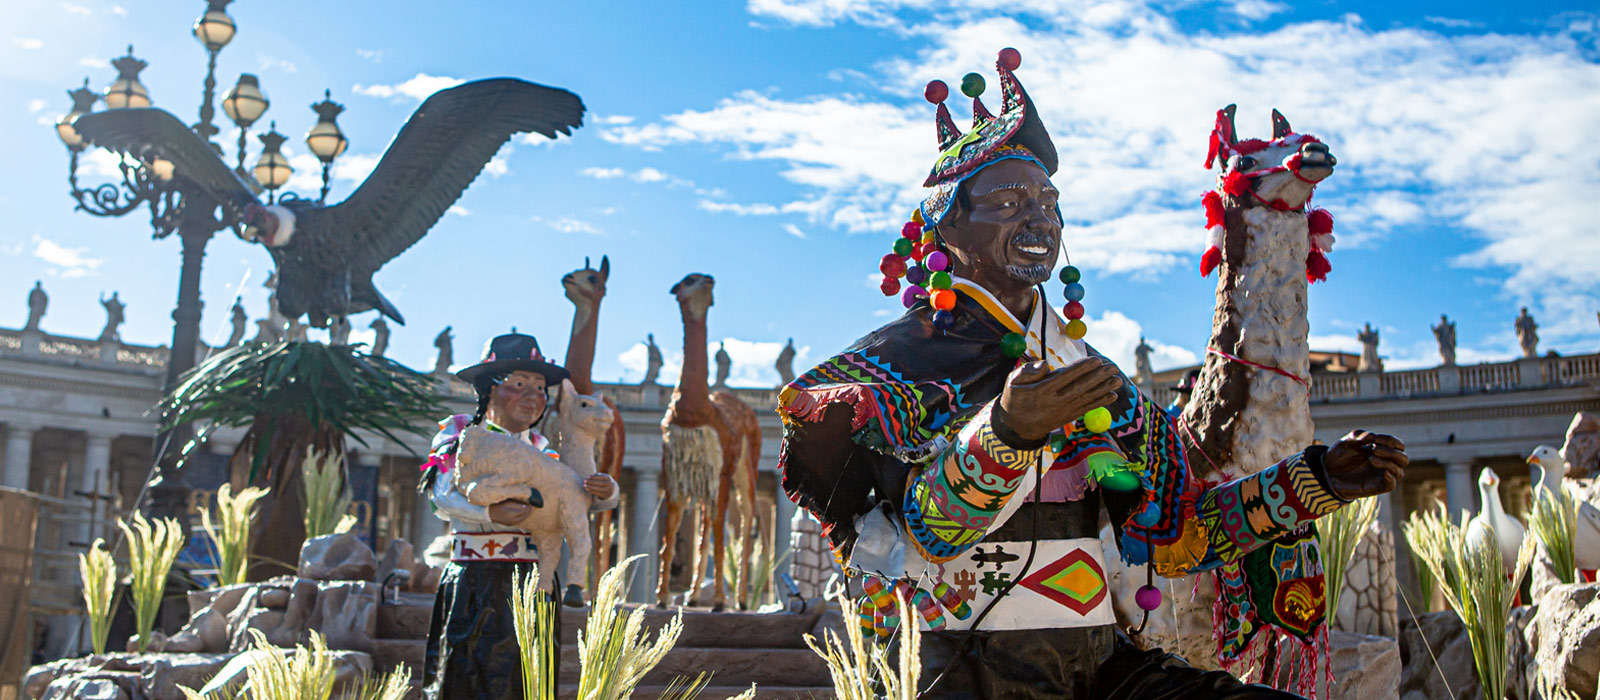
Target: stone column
(1459, 489)
(642, 534)
(96, 469)
(19, 455)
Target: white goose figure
(1508, 531)
(1586, 541)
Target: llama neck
(579, 452)
(580, 345)
(692, 388)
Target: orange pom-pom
(943, 299)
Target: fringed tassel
(1236, 184)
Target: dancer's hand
(600, 486)
(1037, 401)
(510, 512)
(1365, 464)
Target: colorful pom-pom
(1210, 261)
(1236, 183)
(1073, 292)
(942, 299)
(1319, 221)
(1317, 266)
(892, 265)
(1072, 310)
(917, 274)
(916, 214)
(1070, 275)
(940, 280)
(1058, 442)
(936, 91)
(910, 296)
(1010, 59)
(911, 230)
(1076, 329)
(937, 261)
(1097, 420)
(918, 252)
(903, 247)
(1013, 345)
(1212, 203)
(1148, 516)
(1148, 597)
(972, 85)
(943, 320)
(890, 286)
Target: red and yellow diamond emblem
(1075, 580)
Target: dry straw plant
(613, 651)
(1338, 534)
(306, 675)
(152, 547)
(1475, 585)
(862, 668)
(99, 572)
(327, 501)
(230, 532)
(1553, 518)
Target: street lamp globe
(272, 170)
(244, 103)
(83, 100)
(325, 139)
(215, 28)
(127, 91)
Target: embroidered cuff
(1245, 514)
(953, 501)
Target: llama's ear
(1233, 132)
(1280, 125)
(567, 389)
(605, 267)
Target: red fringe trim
(1317, 266)
(1236, 184)
(1320, 221)
(1210, 260)
(1213, 206)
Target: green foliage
(327, 502)
(99, 573)
(1553, 518)
(339, 387)
(861, 668)
(1338, 533)
(230, 533)
(1475, 585)
(151, 550)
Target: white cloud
(1257, 9)
(27, 43)
(92, 62)
(1452, 22)
(35, 105)
(74, 9)
(794, 230)
(69, 262)
(603, 173)
(1116, 336)
(611, 119)
(498, 165)
(1470, 133)
(118, 10)
(567, 224)
(373, 55)
(458, 210)
(417, 89)
(266, 62)
(645, 175)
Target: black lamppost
(176, 205)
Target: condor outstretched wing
(438, 153)
(147, 133)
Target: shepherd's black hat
(512, 352)
(1190, 378)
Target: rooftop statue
(38, 301)
(785, 363)
(1527, 334)
(652, 370)
(1445, 333)
(1370, 361)
(236, 321)
(114, 318)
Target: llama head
(694, 295)
(587, 286)
(1280, 173)
(580, 414)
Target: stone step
(406, 618)
(409, 617)
(710, 692)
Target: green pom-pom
(940, 280)
(1112, 473)
(903, 246)
(1058, 442)
(972, 85)
(1013, 345)
(1070, 274)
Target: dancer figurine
(960, 456)
(472, 649)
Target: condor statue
(326, 255)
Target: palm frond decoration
(1476, 586)
(152, 547)
(230, 533)
(292, 397)
(1553, 518)
(99, 573)
(1338, 533)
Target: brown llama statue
(710, 446)
(1251, 403)
(585, 288)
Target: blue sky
(777, 144)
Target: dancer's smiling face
(1004, 230)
